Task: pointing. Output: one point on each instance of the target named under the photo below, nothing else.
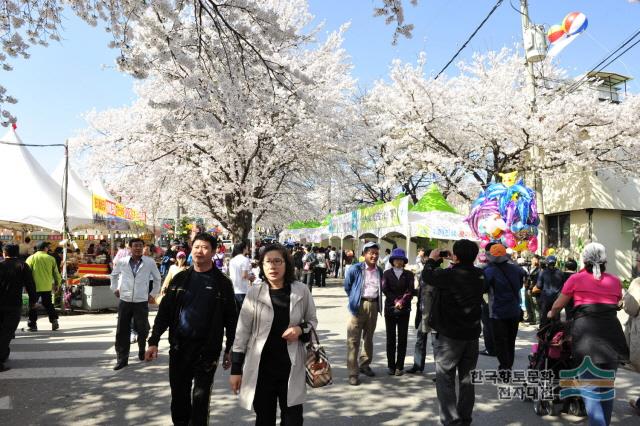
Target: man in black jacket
(455, 316)
(14, 275)
(198, 308)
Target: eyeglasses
(274, 262)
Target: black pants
(545, 307)
(487, 332)
(401, 323)
(9, 320)
(239, 301)
(320, 276)
(48, 305)
(140, 314)
(191, 379)
(504, 337)
(271, 390)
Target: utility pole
(535, 51)
(526, 37)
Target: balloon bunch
(507, 213)
(560, 36)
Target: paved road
(65, 377)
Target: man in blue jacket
(363, 283)
(503, 281)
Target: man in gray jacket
(130, 283)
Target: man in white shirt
(240, 272)
(130, 283)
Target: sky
(59, 83)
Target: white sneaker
(134, 337)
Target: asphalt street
(66, 378)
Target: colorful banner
(115, 215)
(440, 225)
(344, 223)
(385, 215)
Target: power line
(470, 38)
(33, 145)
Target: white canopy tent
(75, 188)
(30, 195)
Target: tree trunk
(240, 226)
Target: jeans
(9, 320)
(271, 390)
(401, 323)
(455, 356)
(48, 305)
(188, 370)
(420, 351)
(239, 301)
(505, 332)
(308, 279)
(598, 411)
(140, 314)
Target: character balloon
(506, 212)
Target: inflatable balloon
(533, 244)
(506, 212)
(574, 23)
(560, 36)
(555, 33)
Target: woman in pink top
(596, 331)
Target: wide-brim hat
(398, 253)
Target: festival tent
(30, 195)
(75, 188)
(97, 187)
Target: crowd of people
(264, 312)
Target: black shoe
(3, 368)
(354, 381)
(391, 371)
(486, 353)
(55, 325)
(122, 363)
(32, 327)
(414, 370)
(367, 371)
(141, 354)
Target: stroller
(553, 352)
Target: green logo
(581, 380)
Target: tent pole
(65, 229)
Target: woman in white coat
(268, 352)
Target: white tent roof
(97, 187)
(32, 197)
(75, 188)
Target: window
(558, 231)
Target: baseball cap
(181, 254)
(498, 250)
(370, 244)
(551, 260)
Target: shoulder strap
(515, 294)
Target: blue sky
(59, 83)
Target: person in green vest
(47, 277)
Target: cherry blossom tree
(228, 149)
(467, 129)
